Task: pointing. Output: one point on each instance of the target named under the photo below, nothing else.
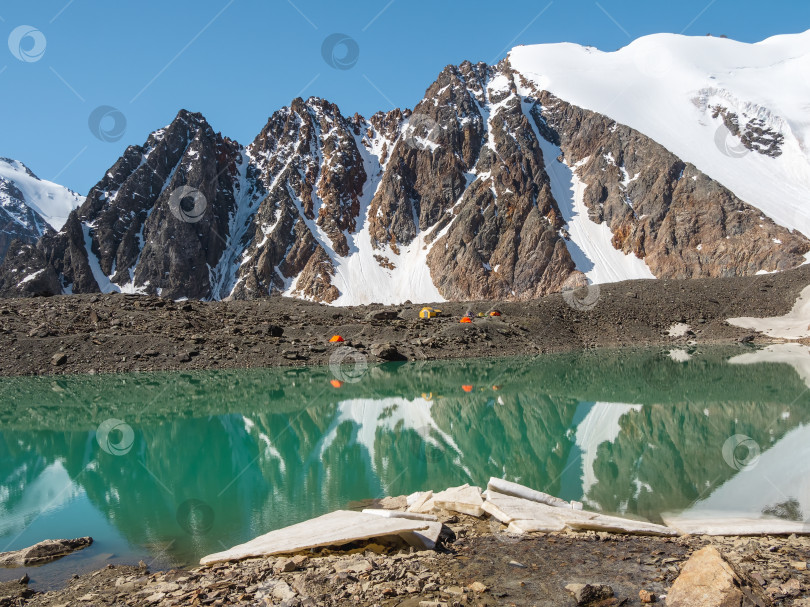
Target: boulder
(387, 352)
(585, 594)
(708, 580)
(382, 315)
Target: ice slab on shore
(333, 529)
(524, 516)
(736, 526)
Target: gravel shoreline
(478, 564)
(122, 333)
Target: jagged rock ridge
(470, 196)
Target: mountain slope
(680, 91)
(509, 181)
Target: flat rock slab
(414, 516)
(425, 539)
(464, 499)
(708, 580)
(737, 526)
(333, 529)
(535, 526)
(525, 516)
(43, 552)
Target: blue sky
(237, 61)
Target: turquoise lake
(169, 467)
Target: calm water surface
(168, 467)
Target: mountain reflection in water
(205, 460)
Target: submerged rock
(43, 552)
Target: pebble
(647, 597)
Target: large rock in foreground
(708, 580)
(43, 552)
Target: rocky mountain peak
(491, 187)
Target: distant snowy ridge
(49, 200)
(666, 85)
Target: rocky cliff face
(472, 195)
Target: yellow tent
(427, 312)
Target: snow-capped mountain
(29, 206)
(674, 157)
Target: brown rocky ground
(480, 566)
(109, 333)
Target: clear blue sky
(237, 61)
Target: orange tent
(494, 313)
(466, 319)
(336, 338)
(467, 388)
(336, 383)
